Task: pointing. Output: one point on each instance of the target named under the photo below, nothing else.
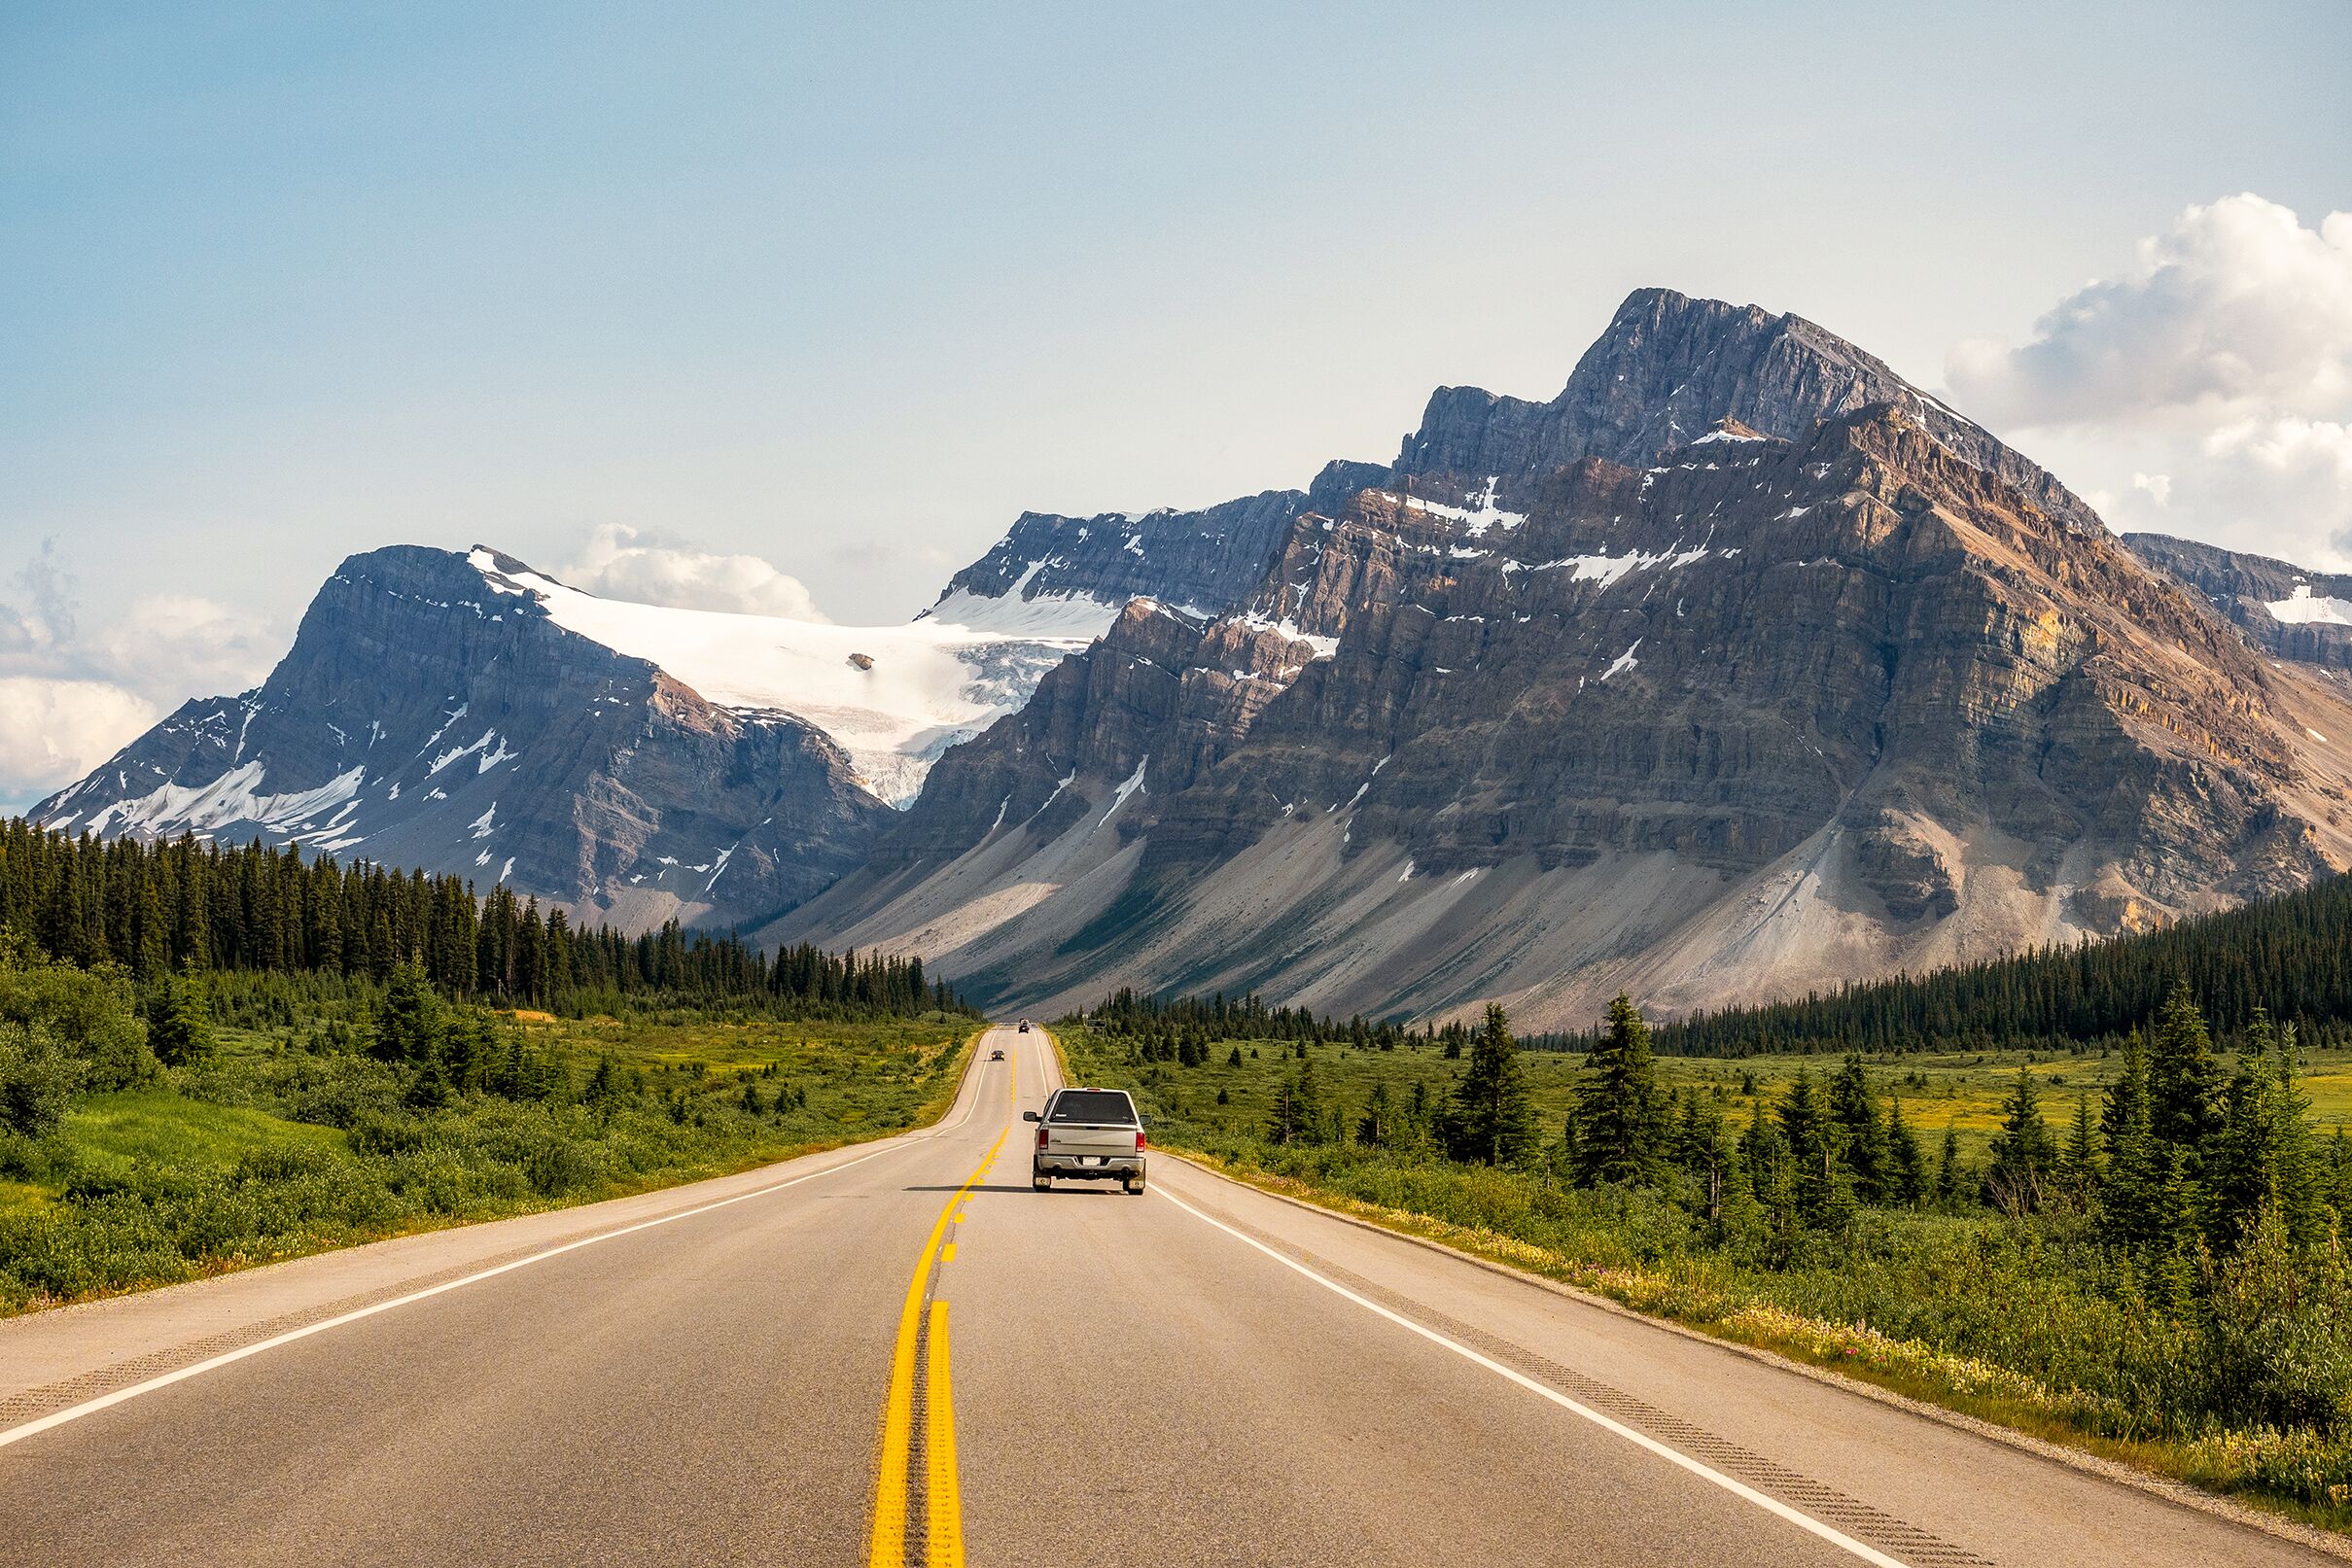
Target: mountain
(466, 714)
(2284, 609)
(1082, 570)
(1824, 683)
(1667, 369)
(1739, 667)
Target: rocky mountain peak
(1668, 370)
(1759, 707)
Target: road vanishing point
(899, 1354)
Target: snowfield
(893, 697)
(2302, 608)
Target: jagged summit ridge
(1743, 715)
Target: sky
(793, 309)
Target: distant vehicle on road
(1025, 1026)
(1088, 1134)
(997, 1055)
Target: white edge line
(91, 1407)
(1770, 1504)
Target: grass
(160, 1127)
(1960, 1090)
(281, 1145)
(2029, 1323)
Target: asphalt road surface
(901, 1353)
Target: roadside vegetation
(2132, 1244)
(211, 1059)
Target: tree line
(185, 905)
(2290, 956)
(2183, 1163)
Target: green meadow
(295, 1137)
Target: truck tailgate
(1068, 1138)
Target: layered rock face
(1206, 560)
(1746, 719)
(1669, 369)
(425, 716)
(2282, 609)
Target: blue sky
(841, 290)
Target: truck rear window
(1097, 1106)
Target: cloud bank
(622, 563)
(70, 697)
(2206, 391)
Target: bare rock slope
(431, 712)
(1822, 683)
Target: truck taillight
(1139, 1140)
(1040, 1136)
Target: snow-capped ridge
(893, 697)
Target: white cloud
(622, 563)
(71, 696)
(2207, 391)
(172, 647)
(54, 731)
(2239, 307)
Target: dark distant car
(996, 1055)
(1025, 1026)
(1088, 1134)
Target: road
(899, 1352)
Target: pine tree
(2078, 1171)
(2184, 1080)
(1906, 1164)
(2024, 1156)
(2138, 1165)
(179, 1023)
(2262, 1151)
(1619, 1115)
(430, 1090)
(1856, 1110)
(1816, 1165)
(1493, 1115)
(1952, 1180)
(409, 1026)
(1298, 1109)
(1703, 1150)
(1376, 1128)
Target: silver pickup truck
(1088, 1134)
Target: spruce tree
(2262, 1151)
(1297, 1115)
(408, 1027)
(2137, 1164)
(1906, 1164)
(2024, 1156)
(429, 1089)
(2079, 1165)
(1494, 1119)
(1952, 1180)
(1855, 1111)
(179, 1024)
(1619, 1117)
(1816, 1165)
(2184, 1080)
(1376, 1128)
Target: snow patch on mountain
(2302, 608)
(893, 697)
(236, 797)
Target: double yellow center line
(943, 1504)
